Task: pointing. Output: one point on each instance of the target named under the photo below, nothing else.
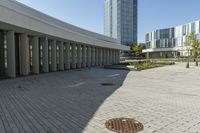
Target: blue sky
(88, 14)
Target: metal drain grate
(107, 84)
(124, 125)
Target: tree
(137, 50)
(192, 44)
(196, 49)
(188, 44)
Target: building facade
(170, 42)
(32, 43)
(120, 20)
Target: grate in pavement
(107, 84)
(124, 125)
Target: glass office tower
(120, 20)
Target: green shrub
(150, 64)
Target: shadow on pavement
(56, 102)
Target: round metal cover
(124, 125)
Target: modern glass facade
(120, 20)
(171, 39)
(163, 38)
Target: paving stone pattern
(165, 100)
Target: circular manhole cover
(107, 84)
(124, 125)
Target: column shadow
(56, 102)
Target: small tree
(137, 50)
(195, 49)
(188, 44)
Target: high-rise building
(120, 20)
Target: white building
(32, 42)
(170, 42)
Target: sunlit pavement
(165, 100)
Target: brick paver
(165, 100)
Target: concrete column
(111, 57)
(97, 57)
(45, 58)
(25, 67)
(2, 60)
(53, 56)
(93, 56)
(61, 56)
(73, 56)
(11, 54)
(100, 56)
(84, 56)
(118, 56)
(35, 46)
(67, 55)
(104, 56)
(147, 55)
(114, 55)
(108, 56)
(88, 56)
(79, 61)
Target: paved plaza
(165, 100)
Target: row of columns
(70, 55)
